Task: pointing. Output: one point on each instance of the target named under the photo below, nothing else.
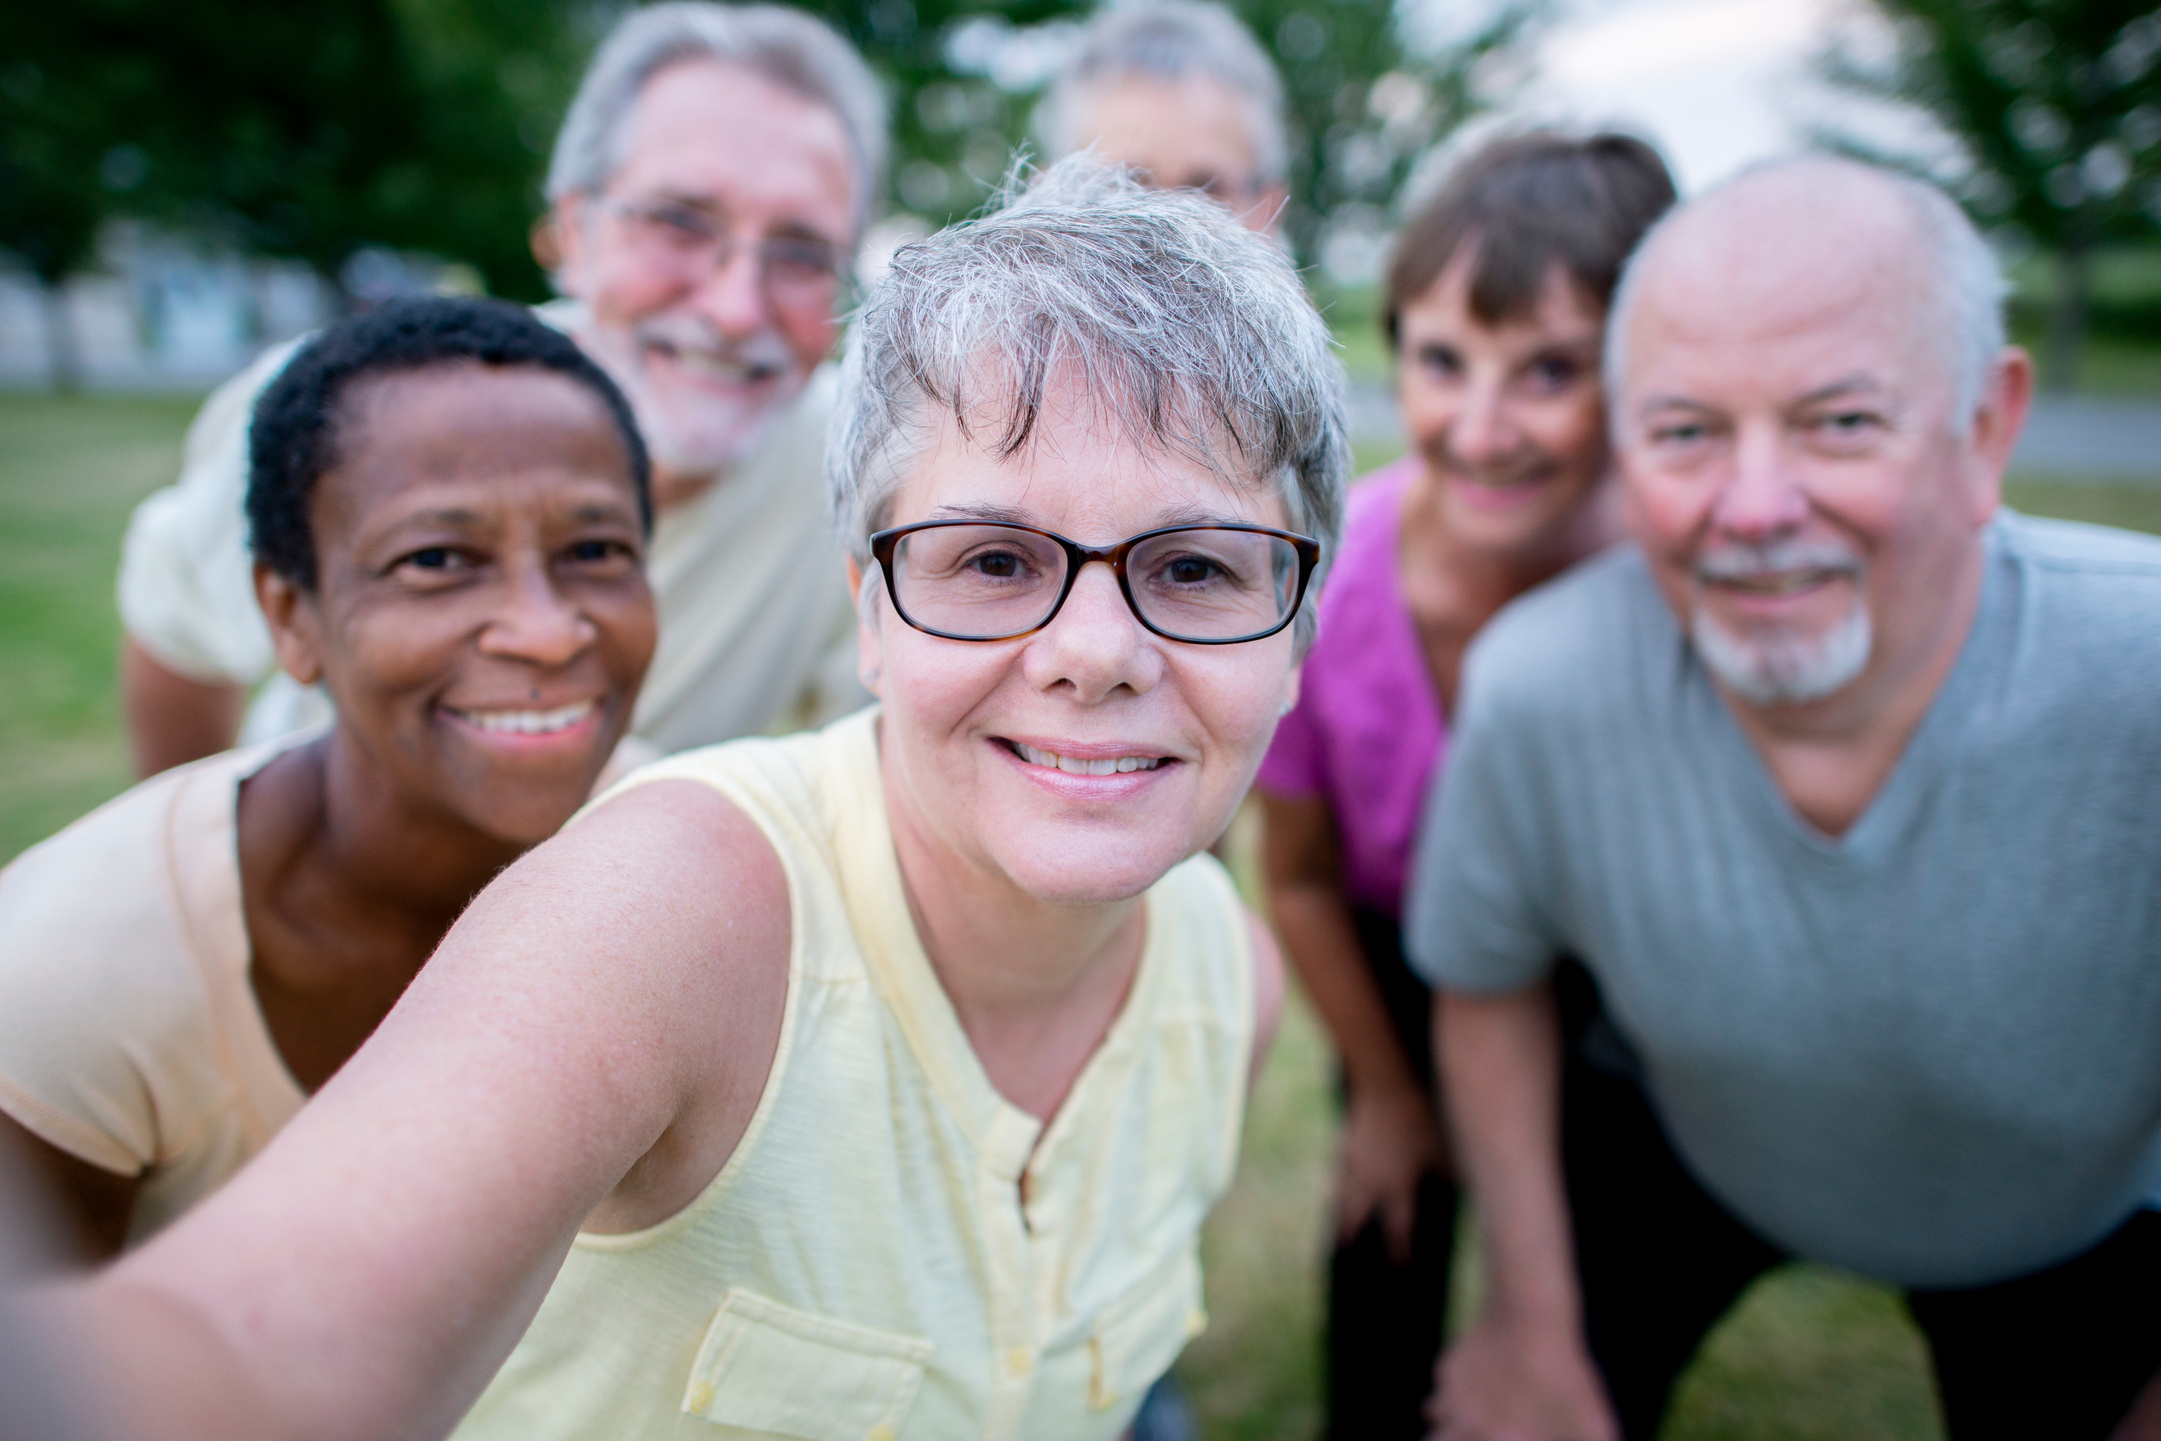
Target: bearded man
(1841, 783)
(707, 190)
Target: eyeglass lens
(985, 582)
(796, 268)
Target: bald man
(1842, 782)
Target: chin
(1090, 870)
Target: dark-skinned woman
(448, 507)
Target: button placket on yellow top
(1007, 1142)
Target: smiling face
(481, 617)
(1793, 462)
(1191, 134)
(710, 347)
(1509, 419)
(1079, 763)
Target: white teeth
(530, 722)
(1074, 765)
(715, 367)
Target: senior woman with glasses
(870, 1083)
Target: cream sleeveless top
(894, 1250)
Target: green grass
(70, 472)
(1809, 1354)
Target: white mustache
(763, 352)
(1741, 560)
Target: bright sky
(1716, 83)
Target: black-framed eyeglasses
(992, 580)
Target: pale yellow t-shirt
(757, 629)
(895, 1250)
(129, 1033)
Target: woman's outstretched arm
(590, 1040)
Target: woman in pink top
(1496, 305)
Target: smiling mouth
(526, 722)
(1777, 583)
(707, 365)
(1084, 766)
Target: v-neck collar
(1010, 1139)
(1897, 804)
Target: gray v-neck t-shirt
(1929, 1050)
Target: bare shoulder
(663, 911)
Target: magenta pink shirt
(1366, 733)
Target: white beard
(1784, 669)
(708, 434)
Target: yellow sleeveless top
(894, 1250)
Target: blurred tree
(1366, 100)
(954, 127)
(305, 131)
(2056, 105)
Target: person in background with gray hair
(873, 1082)
(708, 188)
(1180, 91)
(1841, 783)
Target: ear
(2006, 397)
(869, 643)
(1274, 201)
(295, 624)
(545, 239)
(564, 229)
(1293, 687)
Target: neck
(1036, 984)
(365, 852)
(672, 488)
(1831, 758)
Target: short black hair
(1524, 203)
(293, 437)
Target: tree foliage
(312, 131)
(305, 131)
(2056, 105)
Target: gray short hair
(786, 46)
(1170, 41)
(1966, 282)
(1193, 333)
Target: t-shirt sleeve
(105, 1048)
(1476, 914)
(1293, 765)
(187, 580)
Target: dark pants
(1385, 1317)
(2059, 1354)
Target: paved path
(2066, 438)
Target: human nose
(1482, 431)
(535, 622)
(730, 291)
(1095, 644)
(1761, 497)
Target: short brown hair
(1526, 202)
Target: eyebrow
(1860, 383)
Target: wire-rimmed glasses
(796, 270)
(993, 580)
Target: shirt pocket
(767, 1368)
(1140, 1335)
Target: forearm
(1302, 870)
(1314, 921)
(1501, 1066)
(173, 719)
